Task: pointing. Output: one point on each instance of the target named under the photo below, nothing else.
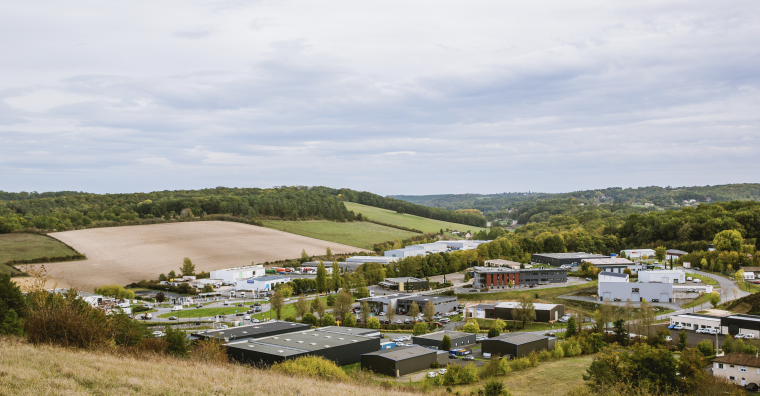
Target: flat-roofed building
(605, 276)
(441, 303)
(557, 259)
(498, 278)
(238, 273)
(663, 276)
(405, 284)
(370, 259)
(635, 291)
(422, 249)
(262, 283)
(692, 321)
(402, 360)
(343, 346)
(740, 323)
(517, 345)
(433, 340)
(255, 330)
(616, 264)
(384, 303)
(638, 253)
(506, 264)
(674, 254)
(544, 312)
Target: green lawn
(699, 300)
(405, 220)
(552, 378)
(204, 312)
(360, 234)
(514, 294)
(23, 246)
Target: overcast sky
(393, 97)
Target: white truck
(147, 316)
(176, 308)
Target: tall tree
(429, 311)
(277, 302)
(365, 313)
(525, 311)
(304, 256)
(660, 252)
(336, 280)
(391, 314)
(605, 314)
(446, 343)
(302, 306)
(328, 253)
(321, 278)
(414, 310)
(728, 241)
(13, 306)
(319, 307)
(343, 303)
(188, 268)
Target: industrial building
(517, 345)
(638, 253)
(402, 360)
(262, 283)
(664, 276)
(506, 263)
(616, 264)
(558, 259)
(370, 259)
(673, 254)
(418, 250)
(256, 330)
(384, 303)
(442, 304)
(544, 312)
(636, 292)
(496, 278)
(238, 273)
(458, 339)
(310, 267)
(606, 276)
(740, 323)
(404, 284)
(342, 345)
(693, 321)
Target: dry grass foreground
(50, 370)
(122, 255)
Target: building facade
(516, 345)
(693, 321)
(498, 278)
(664, 276)
(238, 273)
(616, 264)
(433, 340)
(405, 284)
(263, 283)
(740, 368)
(639, 291)
(740, 323)
(399, 361)
(442, 304)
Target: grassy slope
(50, 370)
(22, 246)
(405, 220)
(360, 234)
(288, 309)
(553, 378)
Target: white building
(664, 276)
(749, 275)
(616, 264)
(371, 259)
(692, 321)
(238, 273)
(263, 283)
(635, 291)
(91, 298)
(418, 250)
(636, 253)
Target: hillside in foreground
(51, 370)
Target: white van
(176, 308)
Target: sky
(392, 97)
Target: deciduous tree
(302, 306)
(336, 279)
(429, 311)
(414, 310)
(321, 278)
(446, 343)
(188, 268)
(525, 311)
(277, 303)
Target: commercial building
(402, 360)
(418, 250)
(557, 259)
(606, 276)
(310, 267)
(740, 323)
(616, 264)
(693, 321)
(673, 254)
(695, 288)
(664, 276)
(370, 259)
(638, 253)
(544, 312)
(506, 263)
(463, 245)
(263, 283)
(442, 304)
(740, 368)
(496, 278)
(517, 345)
(433, 340)
(636, 292)
(384, 303)
(238, 273)
(90, 298)
(256, 330)
(404, 284)
(342, 345)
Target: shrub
(495, 367)
(446, 343)
(545, 355)
(311, 366)
(493, 332)
(373, 323)
(419, 328)
(65, 320)
(328, 320)
(330, 300)
(558, 352)
(705, 347)
(533, 358)
(471, 327)
(519, 364)
(499, 325)
(309, 318)
(210, 350)
(458, 375)
(494, 387)
(178, 343)
(572, 348)
(350, 320)
(290, 318)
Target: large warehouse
(256, 330)
(442, 304)
(557, 259)
(383, 303)
(639, 291)
(498, 278)
(458, 339)
(740, 323)
(238, 273)
(616, 264)
(664, 276)
(343, 345)
(262, 283)
(544, 312)
(405, 284)
(402, 360)
(691, 321)
(517, 345)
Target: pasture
(406, 220)
(360, 234)
(122, 255)
(23, 246)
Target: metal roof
(538, 306)
(254, 330)
(438, 335)
(300, 342)
(615, 274)
(403, 352)
(519, 338)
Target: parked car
(688, 278)
(617, 299)
(199, 306)
(564, 318)
(247, 317)
(749, 336)
(700, 331)
(697, 268)
(486, 355)
(381, 314)
(445, 320)
(255, 320)
(158, 334)
(739, 335)
(697, 280)
(468, 357)
(672, 326)
(442, 371)
(757, 282)
(452, 356)
(398, 321)
(678, 327)
(226, 303)
(589, 279)
(432, 374)
(172, 318)
(712, 331)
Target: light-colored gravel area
(122, 255)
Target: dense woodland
(71, 210)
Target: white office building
(693, 321)
(606, 276)
(636, 253)
(238, 273)
(260, 284)
(664, 276)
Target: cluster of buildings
(424, 249)
(401, 302)
(544, 312)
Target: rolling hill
(406, 220)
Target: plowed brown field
(122, 255)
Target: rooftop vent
(287, 339)
(327, 346)
(280, 351)
(312, 343)
(300, 342)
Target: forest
(59, 211)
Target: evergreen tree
(446, 343)
(493, 332)
(571, 329)
(321, 278)
(13, 306)
(336, 280)
(304, 257)
(328, 254)
(172, 274)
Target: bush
(493, 332)
(545, 355)
(328, 320)
(291, 318)
(533, 358)
(419, 328)
(495, 367)
(572, 348)
(140, 308)
(178, 342)
(309, 318)
(494, 387)
(65, 320)
(705, 347)
(330, 300)
(459, 375)
(519, 364)
(373, 323)
(558, 352)
(471, 327)
(311, 366)
(211, 351)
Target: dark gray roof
(255, 330)
(608, 273)
(403, 352)
(426, 297)
(299, 342)
(438, 335)
(571, 255)
(519, 338)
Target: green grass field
(553, 378)
(22, 246)
(543, 293)
(405, 220)
(288, 309)
(360, 234)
